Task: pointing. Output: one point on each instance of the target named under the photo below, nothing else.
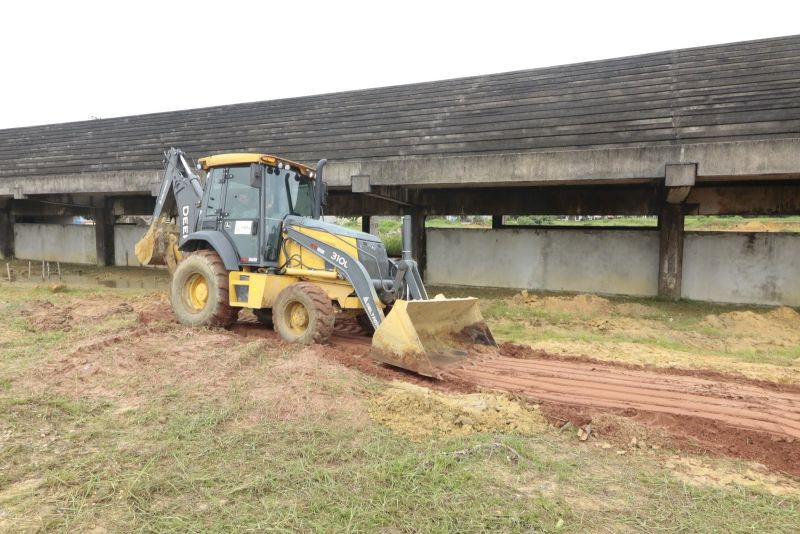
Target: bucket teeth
(429, 336)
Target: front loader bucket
(425, 336)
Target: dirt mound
(706, 472)
(584, 304)
(634, 309)
(753, 226)
(132, 364)
(44, 315)
(306, 385)
(153, 308)
(277, 381)
(780, 324)
(786, 315)
(523, 297)
(417, 413)
(626, 433)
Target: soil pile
(781, 325)
(700, 472)
(584, 304)
(304, 385)
(46, 316)
(753, 226)
(634, 309)
(417, 413)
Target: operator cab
(247, 191)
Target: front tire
(303, 313)
(264, 317)
(365, 323)
(199, 292)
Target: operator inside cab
(234, 202)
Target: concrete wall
(125, 238)
(759, 268)
(605, 261)
(73, 243)
(68, 243)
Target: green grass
(187, 461)
(692, 222)
(182, 467)
(532, 323)
(22, 344)
(473, 222)
(728, 222)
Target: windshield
(300, 192)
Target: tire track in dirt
(727, 415)
(582, 385)
(589, 384)
(723, 415)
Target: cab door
(241, 213)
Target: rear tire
(303, 313)
(199, 291)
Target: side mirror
(324, 194)
(256, 175)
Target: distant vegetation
(389, 227)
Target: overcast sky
(67, 61)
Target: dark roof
(745, 90)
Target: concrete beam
(94, 182)
(764, 198)
(775, 198)
(346, 204)
(730, 160)
(134, 205)
(680, 174)
(53, 206)
(679, 180)
(670, 256)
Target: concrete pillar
(497, 221)
(670, 254)
(104, 233)
(365, 223)
(419, 248)
(6, 231)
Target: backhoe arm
(175, 215)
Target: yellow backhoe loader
(252, 236)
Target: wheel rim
(297, 318)
(197, 291)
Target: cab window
(241, 198)
(216, 179)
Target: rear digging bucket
(158, 246)
(426, 336)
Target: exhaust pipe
(407, 252)
(318, 189)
